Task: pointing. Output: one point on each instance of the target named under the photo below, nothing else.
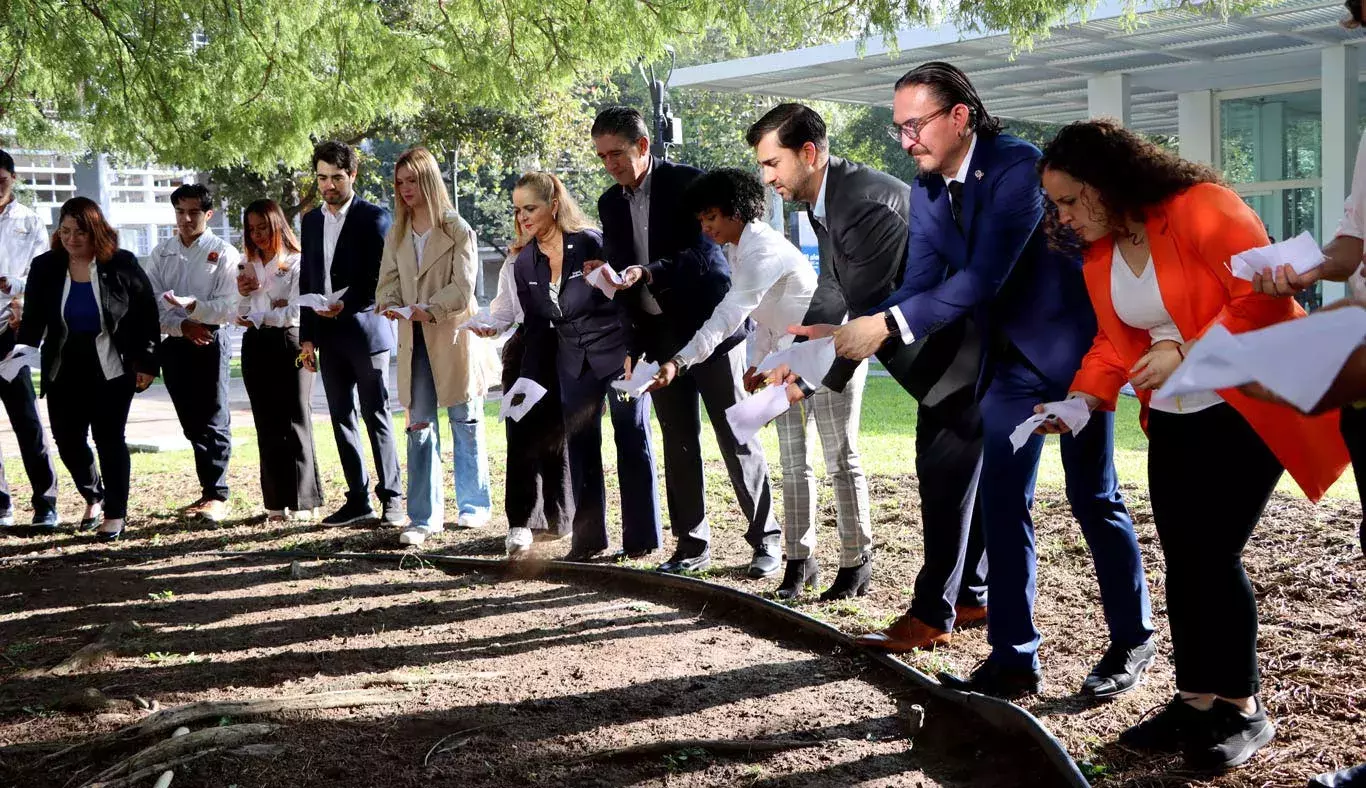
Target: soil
(1304, 561)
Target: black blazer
(355, 266)
(126, 298)
(689, 274)
(584, 328)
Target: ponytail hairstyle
(952, 87)
(550, 190)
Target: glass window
(1272, 138)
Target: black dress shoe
(1166, 731)
(1120, 670)
(582, 554)
(991, 678)
(1351, 777)
(764, 563)
(108, 536)
(801, 573)
(687, 563)
(851, 581)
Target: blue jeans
(426, 500)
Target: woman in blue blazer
(589, 336)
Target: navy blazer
(1000, 269)
(583, 328)
(689, 274)
(355, 266)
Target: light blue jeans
(426, 494)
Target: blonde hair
(424, 165)
(550, 190)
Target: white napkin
(810, 360)
(520, 398)
(1301, 253)
(22, 356)
(319, 302)
(406, 312)
(603, 277)
(750, 415)
(642, 376)
(1072, 412)
(1297, 360)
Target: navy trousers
(1007, 495)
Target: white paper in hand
(810, 360)
(520, 398)
(257, 318)
(1300, 253)
(642, 376)
(482, 320)
(406, 312)
(1072, 412)
(746, 418)
(22, 356)
(603, 277)
(183, 302)
(319, 302)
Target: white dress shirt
(332, 227)
(1138, 302)
(277, 280)
(111, 364)
(205, 270)
(22, 238)
(419, 244)
(506, 308)
(1353, 222)
(818, 207)
(771, 281)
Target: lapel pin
(978, 174)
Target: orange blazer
(1192, 237)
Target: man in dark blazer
(675, 276)
(343, 241)
(978, 249)
(860, 218)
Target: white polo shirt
(22, 238)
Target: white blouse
(277, 280)
(1138, 302)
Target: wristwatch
(806, 388)
(893, 327)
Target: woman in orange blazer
(1158, 233)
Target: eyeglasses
(913, 128)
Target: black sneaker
(997, 680)
(1229, 738)
(47, 521)
(1120, 670)
(350, 513)
(1166, 731)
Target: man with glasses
(860, 217)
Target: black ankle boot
(851, 582)
(802, 573)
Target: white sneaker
(303, 515)
(473, 520)
(7, 519)
(519, 542)
(417, 534)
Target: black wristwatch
(806, 388)
(893, 327)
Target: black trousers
(196, 377)
(279, 390)
(22, 408)
(81, 403)
(1353, 426)
(538, 492)
(1209, 478)
(948, 463)
(352, 373)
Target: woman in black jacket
(90, 308)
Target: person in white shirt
(772, 283)
(194, 274)
(428, 269)
(279, 387)
(22, 238)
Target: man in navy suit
(675, 276)
(977, 247)
(342, 243)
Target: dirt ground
(1308, 571)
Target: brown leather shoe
(964, 616)
(905, 634)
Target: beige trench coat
(463, 365)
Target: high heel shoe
(94, 516)
(800, 573)
(851, 581)
(103, 535)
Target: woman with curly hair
(1158, 233)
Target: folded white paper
(406, 312)
(257, 318)
(603, 277)
(1072, 412)
(642, 376)
(179, 301)
(520, 398)
(319, 302)
(483, 319)
(1301, 253)
(1297, 360)
(810, 360)
(22, 356)
(750, 415)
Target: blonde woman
(428, 270)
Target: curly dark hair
(1129, 174)
(734, 192)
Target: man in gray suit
(860, 217)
